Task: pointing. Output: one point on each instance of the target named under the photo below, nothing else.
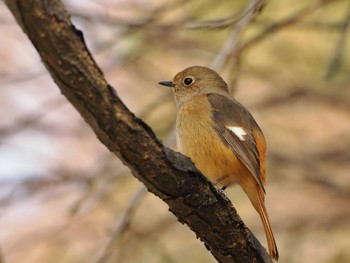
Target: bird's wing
(238, 130)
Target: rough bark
(167, 174)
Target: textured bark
(169, 175)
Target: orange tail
(267, 227)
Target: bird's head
(195, 80)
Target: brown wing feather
(261, 146)
(227, 112)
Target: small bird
(221, 137)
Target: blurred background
(65, 198)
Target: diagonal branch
(231, 44)
(169, 175)
(336, 60)
(289, 21)
(122, 225)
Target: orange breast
(198, 140)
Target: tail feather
(267, 227)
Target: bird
(221, 137)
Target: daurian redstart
(221, 137)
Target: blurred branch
(25, 76)
(293, 94)
(310, 164)
(231, 44)
(1, 258)
(140, 22)
(233, 50)
(291, 20)
(339, 50)
(110, 250)
(169, 175)
(27, 121)
(240, 19)
(100, 174)
(312, 25)
(37, 182)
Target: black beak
(167, 83)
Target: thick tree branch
(169, 175)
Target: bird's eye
(188, 81)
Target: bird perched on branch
(221, 137)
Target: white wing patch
(238, 131)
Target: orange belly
(198, 140)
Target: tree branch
(230, 45)
(336, 60)
(169, 175)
